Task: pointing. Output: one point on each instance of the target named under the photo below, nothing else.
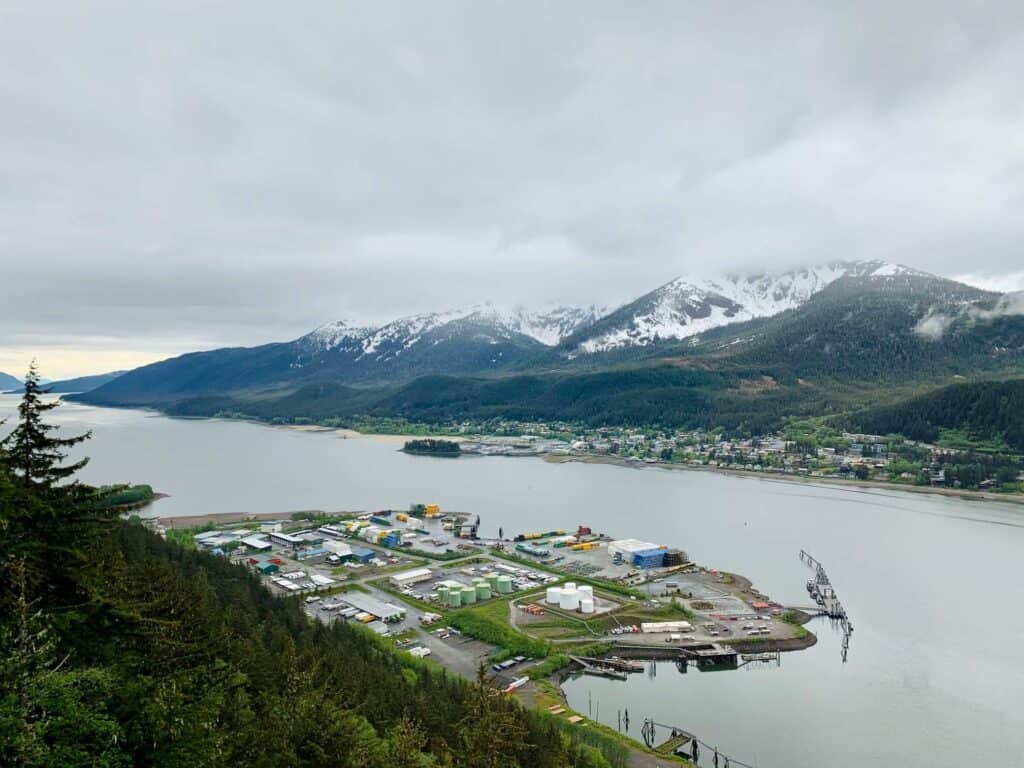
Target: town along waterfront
(935, 664)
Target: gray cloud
(195, 173)
(934, 325)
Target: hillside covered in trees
(118, 648)
(988, 410)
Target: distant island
(428, 446)
(126, 496)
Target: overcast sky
(194, 175)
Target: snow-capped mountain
(680, 309)
(481, 340)
(550, 326)
(688, 306)
(482, 322)
(333, 335)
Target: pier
(684, 744)
(772, 657)
(824, 595)
(709, 655)
(601, 668)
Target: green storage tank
(468, 595)
(505, 585)
(483, 591)
(454, 598)
(442, 594)
(492, 579)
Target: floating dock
(598, 668)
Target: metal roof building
(367, 604)
(415, 576)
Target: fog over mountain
(177, 178)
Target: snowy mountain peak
(332, 335)
(688, 306)
(679, 309)
(549, 326)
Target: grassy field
(639, 613)
(489, 622)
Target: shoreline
(346, 433)
(956, 493)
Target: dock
(611, 662)
(709, 655)
(824, 595)
(772, 657)
(598, 668)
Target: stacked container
(649, 558)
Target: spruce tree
(33, 454)
(47, 518)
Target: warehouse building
(282, 539)
(257, 543)
(386, 612)
(415, 576)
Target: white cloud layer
(237, 172)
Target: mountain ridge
(688, 306)
(9, 382)
(832, 320)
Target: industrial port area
(532, 608)
(407, 573)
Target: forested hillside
(654, 394)
(989, 411)
(118, 648)
(867, 330)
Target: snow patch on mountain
(333, 335)
(688, 306)
(550, 326)
(481, 322)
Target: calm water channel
(935, 675)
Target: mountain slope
(232, 369)
(868, 329)
(988, 409)
(474, 340)
(8, 382)
(684, 307)
(83, 383)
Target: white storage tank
(569, 585)
(585, 590)
(586, 605)
(554, 596)
(570, 600)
